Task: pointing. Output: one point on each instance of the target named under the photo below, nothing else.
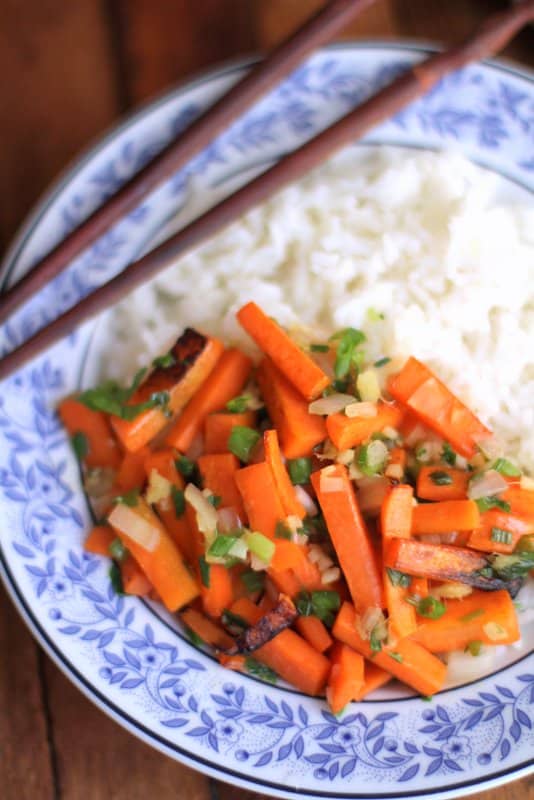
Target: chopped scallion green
(395, 656)
(506, 467)
(501, 536)
(398, 578)
(117, 550)
(382, 362)
(204, 572)
(448, 455)
(80, 445)
(185, 466)
(178, 501)
(282, 531)
(440, 478)
(130, 498)
(260, 671)
(487, 503)
(429, 607)
(321, 604)
(299, 470)
(238, 404)
(319, 348)
(242, 441)
(253, 581)
(115, 578)
(221, 545)
(348, 340)
(474, 648)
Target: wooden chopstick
(320, 28)
(490, 37)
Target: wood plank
(25, 768)
(164, 42)
(58, 93)
(97, 759)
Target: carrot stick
(419, 586)
(102, 447)
(298, 430)
(410, 663)
(346, 679)
(224, 382)
(430, 400)
(206, 629)
(134, 580)
(349, 535)
(487, 617)
(218, 427)
(347, 432)
(286, 490)
(288, 654)
(163, 565)
(219, 595)
(373, 678)
(260, 498)
(285, 581)
(495, 526)
(195, 357)
(436, 561)
(236, 662)
(396, 521)
(442, 483)
(297, 366)
(131, 473)
(99, 539)
(521, 502)
(218, 473)
(315, 633)
(164, 463)
(308, 576)
(445, 516)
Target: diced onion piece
(305, 500)
(355, 474)
(463, 667)
(394, 471)
(159, 488)
(206, 514)
(133, 525)
(371, 494)
(331, 575)
(365, 410)
(228, 520)
(486, 484)
(390, 433)
(451, 591)
(345, 457)
(293, 523)
(314, 553)
(329, 452)
(527, 483)
(368, 386)
(494, 631)
(369, 620)
(490, 447)
(331, 404)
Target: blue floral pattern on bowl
(134, 662)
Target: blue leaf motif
(434, 766)
(326, 732)
(25, 552)
(442, 714)
(523, 718)
(132, 660)
(515, 731)
(229, 713)
(490, 698)
(117, 677)
(527, 678)
(194, 665)
(270, 704)
(450, 764)
(196, 732)
(333, 770)
(212, 741)
(410, 748)
(473, 720)
(111, 658)
(431, 751)
(240, 696)
(176, 722)
(70, 630)
(303, 715)
(505, 748)
(378, 745)
(410, 773)
(348, 767)
(259, 719)
(495, 711)
(90, 635)
(298, 746)
(286, 710)
(317, 758)
(384, 716)
(284, 752)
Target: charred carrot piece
(224, 382)
(206, 629)
(218, 472)
(195, 357)
(407, 660)
(349, 535)
(487, 617)
(298, 430)
(286, 490)
(288, 654)
(445, 516)
(297, 366)
(131, 473)
(94, 426)
(346, 678)
(347, 432)
(373, 678)
(429, 399)
(442, 483)
(134, 580)
(396, 521)
(435, 561)
(315, 633)
(498, 532)
(159, 557)
(99, 539)
(218, 427)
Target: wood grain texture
(71, 68)
(25, 764)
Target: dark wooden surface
(69, 69)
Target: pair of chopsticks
(487, 40)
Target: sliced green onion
(429, 607)
(348, 339)
(221, 545)
(214, 500)
(506, 467)
(372, 457)
(260, 545)
(115, 578)
(368, 387)
(233, 621)
(374, 316)
(474, 647)
(80, 445)
(238, 404)
(165, 361)
(515, 566)
(253, 581)
(440, 478)
(194, 638)
(185, 466)
(395, 656)
(204, 572)
(319, 348)
(321, 604)
(398, 578)
(178, 501)
(117, 550)
(260, 671)
(478, 612)
(448, 455)
(382, 362)
(282, 531)
(501, 536)
(299, 470)
(242, 441)
(487, 503)
(130, 498)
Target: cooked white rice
(418, 237)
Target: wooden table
(70, 68)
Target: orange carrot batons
(134, 580)
(346, 677)
(298, 430)
(225, 382)
(218, 472)
(219, 426)
(99, 539)
(315, 632)
(396, 521)
(445, 516)
(430, 400)
(349, 535)
(286, 490)
(206, 629)
(347, 432)
(299, 369)
(94, 426)
(260, 498)
(195, 357)
(373, 678)
(442, 483)
(436, 561)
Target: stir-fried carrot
(442, 483)
(347, 432)
(99, 539)
(396, 521)
(346, 679)
(219, 426)
(285, 489)
(499, 532)
(218, 472)
(131, 473)
(134, 580)
(438, 562)
(99, 447)
(373, 678)
(315, 632)
(445, 516)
